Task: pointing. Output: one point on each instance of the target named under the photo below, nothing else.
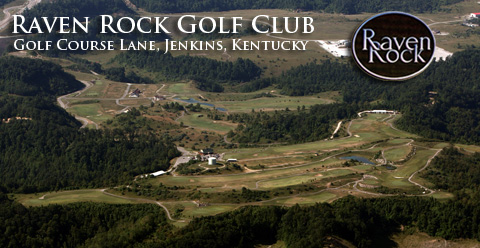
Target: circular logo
(393, 46)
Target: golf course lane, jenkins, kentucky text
(393, 46)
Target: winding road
(16, 10)
(63, 102)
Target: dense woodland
(455, 171)
(189, 67)
(76, 8)
(363, 222)
(441, 103)
(334, 6)
(80, 224)
(30, 77)
(291, 126)
(46, 150)
(3, 2)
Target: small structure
(232, 160)
(206, 151)
(135, 93)
(472, 25)
(474, 15)
(212, 161)
(344, 44)
(158, 98)
(157, 173)
(378, 111)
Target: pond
(390, 167)
(193, 101)
(358, 158)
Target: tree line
(46, 150)
(3, 2)
(200, 69)
(80, 224)
(441, 103)
(363, 222)
(331, 6)
(303, 125)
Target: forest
(290, 126)
(189, 67)
(45, 150)
(29, 77)
(463, 178)
(332, 6)
(80, 224)
(3, 2)
(76, 8)
(363, 222)
(441, 103)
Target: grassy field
(182, 89)
(397, 154)
(270, 103)
(368, 130)
(414, 164)
(419, 239)
(306, 200)
(93, 111)
(201, 121)
(245, 102)
(300, 179)
(238, 181)
(192, 211)
(69, 197)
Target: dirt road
(16, 10)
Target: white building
(157, 173)
(212, 161)
(474, 15)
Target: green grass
(91, 111)
(183, 89)
(367, 129)
(238, 181)
(295, 180)
(69, 197)
(270, 103)
(210, 210)
(192, 211)
(397, 154)
(415, 163)
(194, 120)
(442, 195)
(398, 141)
(306, 200)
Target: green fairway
(416, 163)
(69, 197)
(92, 111)
(397, 154)
(294, 180)
(247, 180)
(270, 103)
(201, 121)
(191, 210)
(183, 89)
(305, 200)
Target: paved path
(16, 10)
(185, 158)
(336, 129)
(63, 102)
(423, 168)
